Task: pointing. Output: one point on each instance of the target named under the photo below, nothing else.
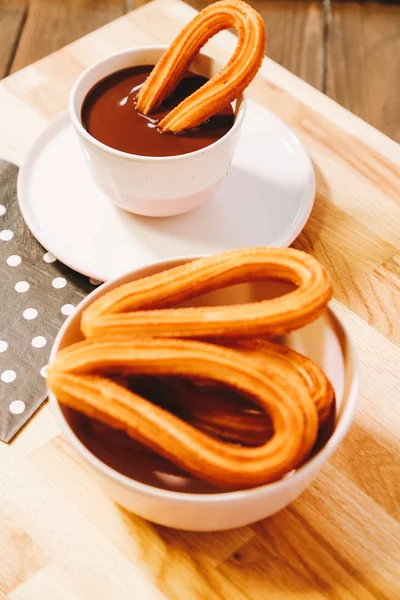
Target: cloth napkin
(37, 293)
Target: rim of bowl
(76, 120)
(321, 457)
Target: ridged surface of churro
(226, 415)
(78, 379)
(210, 407)
(286, 359)
(137, 308)
(224, 87)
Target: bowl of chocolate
(140, 168)
(207, 393)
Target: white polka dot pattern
(39, 341)
(17, 407)
(14, 260)
(38, 294)
(8, 376)
(67, 309)
(49, 257)
(6, 235)
(59, 282)
(30, 313)
(22, 286)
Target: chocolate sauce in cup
(109, 115)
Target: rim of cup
(341, 426)
(77, 122)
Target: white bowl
(147, 185)
(163, 494)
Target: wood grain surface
(12, 17)
(363, 61)
(61, 538)
(295, 36)
(51, 24)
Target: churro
(78, 378)
(220, 412)
(211, 408)
(143, 307)
(225, 86)
(286, 360)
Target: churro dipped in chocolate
(229, 416)
(284, 358)
(264, 424)
(212, 408)
(224, 87)
(78, 378)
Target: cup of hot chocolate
(139, 168)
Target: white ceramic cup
(154, 186)
(159, 494)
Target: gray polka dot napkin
(37, 294)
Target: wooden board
(364, 61)
(12, 16)
(51, 24)
(295, 36)
(61, 538)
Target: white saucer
(265, 200)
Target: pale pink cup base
(160, 207)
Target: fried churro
(78, 378)
(286, 359)
(224, 87)
(210, 407)
(207, 394)
(227, 415)
(137, 308)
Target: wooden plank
(12, 15)
(364, 62)
(295, 36)
(52, 24)
(20, 556)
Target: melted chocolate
(109, 115)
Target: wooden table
(62, 539)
